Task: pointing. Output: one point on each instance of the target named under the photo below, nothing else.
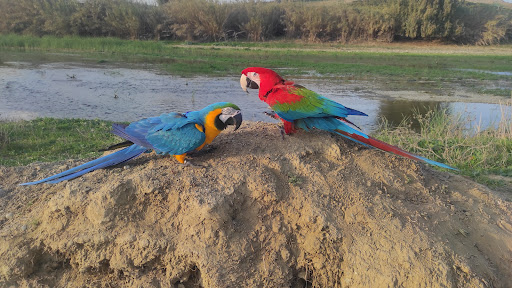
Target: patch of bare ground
(312, 209)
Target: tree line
(208, 20)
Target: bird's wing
(292, 102)
(177, 140)
(171, 133)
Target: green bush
(196, 19)
(116, 18)
(492, 25)
(211, 20)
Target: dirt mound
(312, 209)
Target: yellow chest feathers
(209, 126)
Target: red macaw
(301, 108)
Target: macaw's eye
(254, 74)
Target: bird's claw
(281, 130)
(272, 115)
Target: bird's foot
(281, 130)
(272, 115)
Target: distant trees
(427, 19)
(209, 20)
(483, 24)
(116, 18)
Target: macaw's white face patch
(252, 80)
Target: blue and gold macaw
(174, 134)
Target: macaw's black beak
(234, 118)
(245, 83)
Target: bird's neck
(267, 83)
(210, 130)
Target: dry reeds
(452, 140)
(210, 20)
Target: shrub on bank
(208, 20)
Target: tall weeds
(196, 19)
(115, 18)
(449, 139)
(215, 20)
(492, 26)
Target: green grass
(446, 138)
(497, 92)
(74, 43)
(433, 67)
(48, 139)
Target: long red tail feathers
(392, 149)
(347, 121)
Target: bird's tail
(117, 146)
(342, 126)
(102, 162)
(372, 142)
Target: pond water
(66, 90)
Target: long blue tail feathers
(335, 125)
(102, 162)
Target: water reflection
(396, 111)
(501, 73)
(118, 94)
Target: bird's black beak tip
(237, 118)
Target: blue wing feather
(136, 138)
(177, 141)
(171, 133)
(330, 124)
(102, 162)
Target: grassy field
(434, 66)
(48, 140)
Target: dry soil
(308, 210)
